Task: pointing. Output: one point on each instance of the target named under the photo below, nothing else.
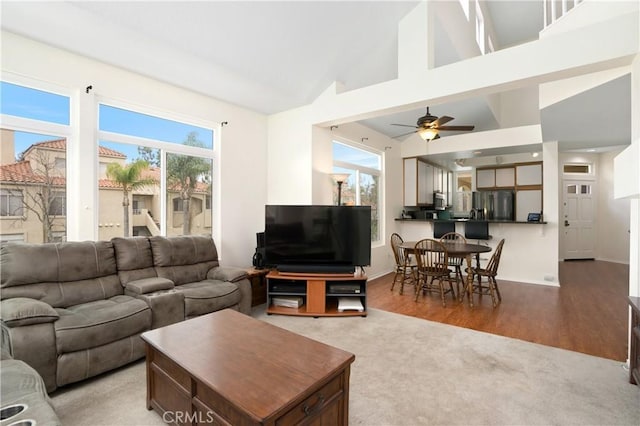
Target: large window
(149, 162)
(363, 187)
(33, 164)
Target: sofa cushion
(148, 285)
(59, 262)
(134, 258)
(97, 323)
(184, 250)
(208, 296)
(21, 311)
(67, 274)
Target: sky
(45, 106)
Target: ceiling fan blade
(463, 128)
(404, 125)
(404, 134)
(440, 120)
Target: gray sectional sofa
(76, 309)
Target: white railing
(151, 224)
(555, 9)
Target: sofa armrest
(148, 285)
(225, 273)
(20, 311)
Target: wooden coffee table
(229, 368)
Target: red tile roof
(22, 172)
(61, 145)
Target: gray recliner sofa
(74, 310)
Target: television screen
(302, 238)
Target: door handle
(566, 223)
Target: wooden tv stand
(318, 292)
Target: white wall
(289, 158)
(613, 215)
(243, 142)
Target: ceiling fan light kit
(428, 134)
(429, 126)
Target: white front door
(578, 222)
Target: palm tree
(130, 178)
(184, 172)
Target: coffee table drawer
(318, 403)
(171, 369)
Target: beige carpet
(415, 372)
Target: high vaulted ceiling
(270, 56)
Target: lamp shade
(340, 177)
(428, 134)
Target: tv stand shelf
(320, 293)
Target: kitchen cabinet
(528, 201)
(437, 179)
(449, 192)
(485, 178)
(524, 178)
(422, 179)
(529, 174)
(505, 177)
(425, 183)
(418, 182)
(495, 177)
(410, 195)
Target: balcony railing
(555, 9)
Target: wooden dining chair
(490, 272)
(432, 260)
(405, 271)
(455, 261)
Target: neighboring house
(41, 169)
(33, 192)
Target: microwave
(439, 201)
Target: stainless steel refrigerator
(494, 205)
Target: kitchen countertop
(461, 220)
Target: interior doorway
(578, 219)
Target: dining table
(458, 249)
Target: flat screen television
(317, 239)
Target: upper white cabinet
(425, 183)
(529, 174)
(421, 179)
(485, 178)
(410, 181)
(505, 177)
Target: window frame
(165, 149)
(359, 169)
(48, 128)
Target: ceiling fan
(429, 126)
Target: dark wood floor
(588, 313)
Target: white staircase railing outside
(555, 9)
